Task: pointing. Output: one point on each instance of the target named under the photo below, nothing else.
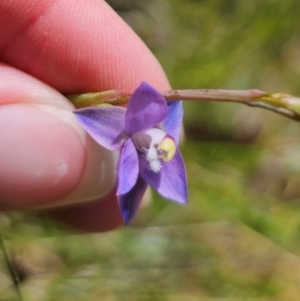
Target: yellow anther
(167, 149)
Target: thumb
(46, 158)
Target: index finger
(75, 46)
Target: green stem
(11, 269)
(283, 104)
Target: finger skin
(35, 155)
(77, 215)
(77, 46)
(46, 157)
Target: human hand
(46, 158)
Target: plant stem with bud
(281, 103)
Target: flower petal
(105, 124)
(172, 123)
(170, 182)
(128, 167)
(130, 201)
(146, 108)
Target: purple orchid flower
(147, 135)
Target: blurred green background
(239, 236)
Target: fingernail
(45, 158)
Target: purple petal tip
(104, 124)
(129, 202)
(146, 108)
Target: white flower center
(156, 146)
